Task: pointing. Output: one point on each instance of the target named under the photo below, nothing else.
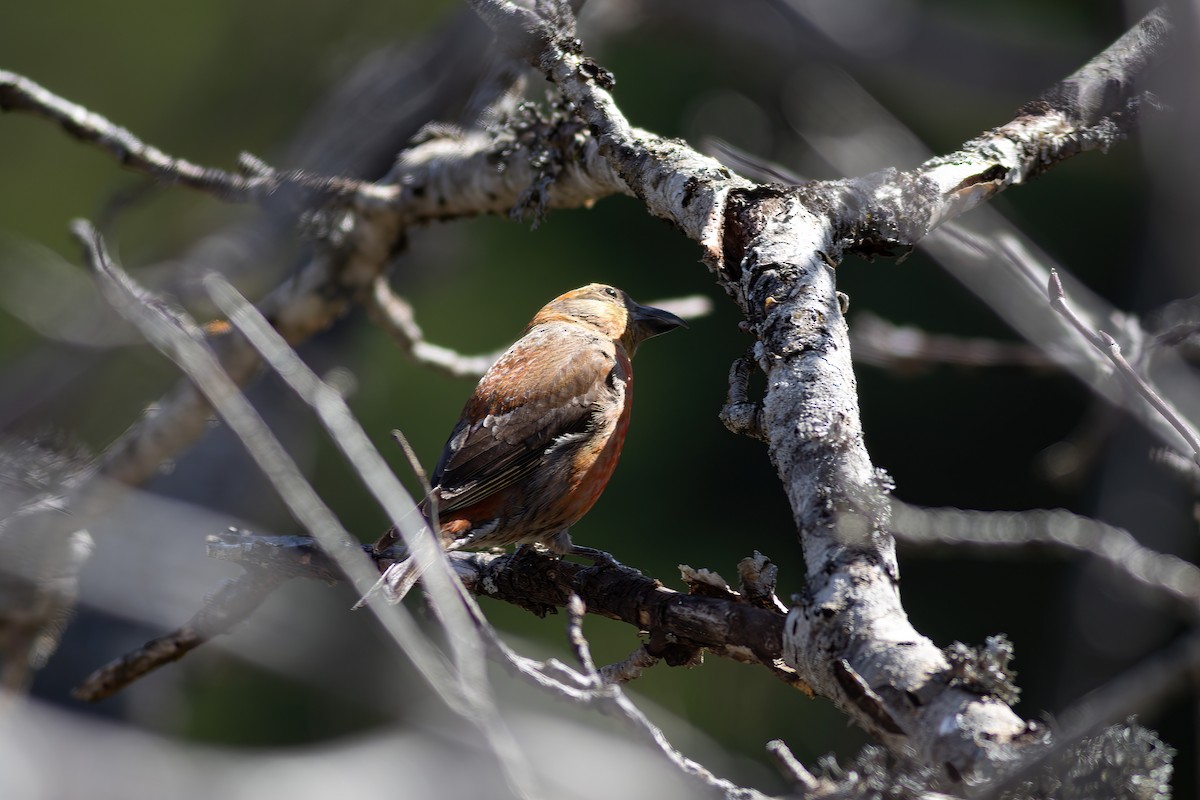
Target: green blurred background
(207, 81)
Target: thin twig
(881, 343)
(583, 653)
(629, 668)
(18, 93)
(613, 700)
(228, 606)
(1107, 345)
(394, 314)
(1144, 388)
(1161, 573)
(791, 767)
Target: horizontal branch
(905, 348)
(1160, 573)
(730, 626)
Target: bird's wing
(543, 389)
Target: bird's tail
(398, 579)
(395, 582)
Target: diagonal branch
(229, 605)
(1106, 344)
(18, 93)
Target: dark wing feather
(544, 387)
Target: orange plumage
(540, 437)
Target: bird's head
(611, 312)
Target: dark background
(206, 81)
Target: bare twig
(1161, 573)
(903, 347)
(583, 653)
(18, 93)
(629, 668)
(615, 702)
(791, 767)
(1165, 409)
(1058, 301)
(225, 608)
(394, 314)
(1107, 345)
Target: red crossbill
(539, 438)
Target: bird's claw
(597, 557)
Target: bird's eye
(611, 292)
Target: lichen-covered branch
(774, 250)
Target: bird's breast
(592, 465)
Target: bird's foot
(597, 557)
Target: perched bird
(539, 438)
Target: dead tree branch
(905, 348)
(1106, 344)
(676, 623)
(229, 605)
(772, 249)
(1162, 574)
